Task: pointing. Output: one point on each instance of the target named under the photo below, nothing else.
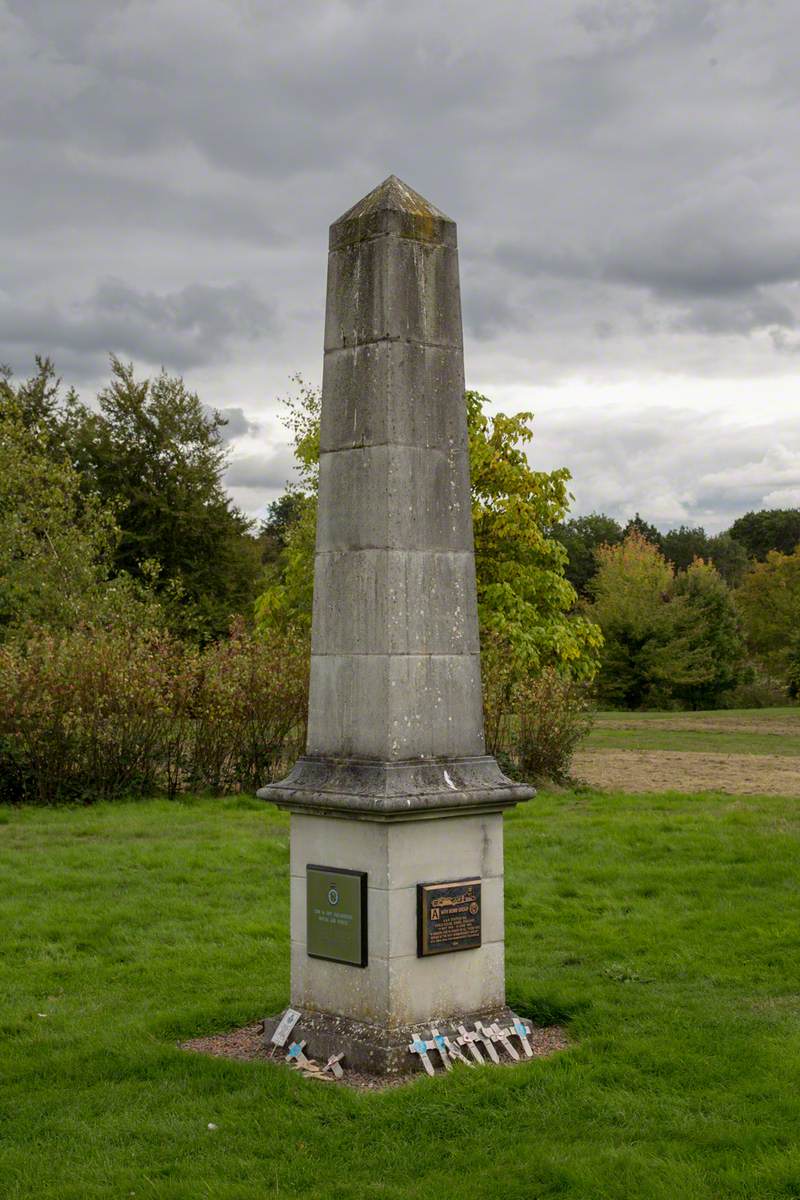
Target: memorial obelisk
(396, 825)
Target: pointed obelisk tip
(392, 207)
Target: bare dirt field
(689, 771)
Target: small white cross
(488, 1038)
(503, 1035)
(470, 1040)
(334, 1065)
(296, 1055)
(522, 1031)
(440, 1043)
(454, 1052)
(421, 1048)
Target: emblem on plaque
(448, 916)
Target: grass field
(727, 731)
(744, 751)
(663, 930)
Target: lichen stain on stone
(419, 219)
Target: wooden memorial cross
(455, 1052)
(488, 1039)
(522, 1031)
(421, 1048)
(334, 1065)
(503, 1035)
(296, 1057)
(440, 1044)
(470, 1039)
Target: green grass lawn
(726, 731)
(663, 930)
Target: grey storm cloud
(175, 329)
(624, 173)
(268, 470)
(237, 424)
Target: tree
(581, 537)
(704, 656)
(154, 452)
(37, 401)
(638, 524)
(682, 546)
(770, 529)
(668, 637)
(729, 557)
(629, 590)
(769, 603)
(275, 528)
(56, 543)
(523, 595)
(525, 603)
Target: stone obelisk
(396, 826)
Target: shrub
(499, 672)
(551, 717)
(250, 709)
(96, 713)
(757, 691)
(533, 721)
(84, 713)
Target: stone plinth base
(372, 1048)
(397, 987)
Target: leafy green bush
(249, 710)
(96, 714)
(670, 638)
(84, 713)
(533, 721)
(756, 691)
(552, 717)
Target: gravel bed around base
(245, 1045)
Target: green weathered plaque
(336, 914)
(448, 916)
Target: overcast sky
(625, 175)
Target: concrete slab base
(371, 1048)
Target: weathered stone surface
(396, 986)
(397, 791)
(394, 288)
(392, 392)
(393, 208)
(397, 991)
(395, 706)
(398, 856)
(384, 587)
(395, 498)
(395, 671)
(395, 781)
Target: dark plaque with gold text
(448, 916)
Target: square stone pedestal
(397, 988)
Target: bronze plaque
(448, 916)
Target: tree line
(691, 619)
(140, 609)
